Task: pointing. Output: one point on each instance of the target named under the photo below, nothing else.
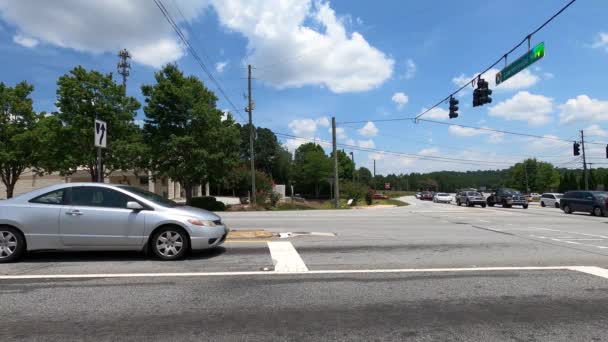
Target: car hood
(195, 212)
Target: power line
(504, 56)
(500, 131)
(200, 62)
(402, 154)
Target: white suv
(550, 199)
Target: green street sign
(521, 63)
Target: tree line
(185, 137)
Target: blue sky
(355, 60)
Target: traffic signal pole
(584, 161)
(335, 150)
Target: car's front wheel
(567, 209)
(597, 211)
(483, 205)
(525, 206)
(170, 243)
(542, 204)
(557, 205)
(12, 244)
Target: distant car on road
(426, 195)
(95, 216)
(442, 197)
(593, 202)
(470, 199)
(550, 199)
(418, 194)
(507, 198)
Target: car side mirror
(134, 205)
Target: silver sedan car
(96, 216)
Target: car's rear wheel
(597, 211)
(567, 209)
(483, 205)
(542, 204)
(557, 205)
(525, 206)
(170, 243)
(12, 244)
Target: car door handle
(73, 213)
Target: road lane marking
(569, 241)
(329, 272)
(285, 257)
(596, 271)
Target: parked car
(95, 216)
(379, 196)
(470, 199)
(442, 197)
(426, 195)
(550, 199)
(507, 198)
(593, 202)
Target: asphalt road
(425, 272)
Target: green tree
(81, 97)
(18, 139)
(364, 176)
(311, 167)
(346, 166)
(188, 140)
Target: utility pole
(124, 66)
(249, 110)
(352, 157)
(335, 149)
(374, 168)
(584, 161)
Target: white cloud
(524, 106)
(102, 26)
(400, 99)
(596, 130)
(350, 142)
(369, 130)
(221, 66)
(323, 121)
(583, 108)
(28, 42)
(524, 79)
(366, 143)
(436, 113)
(432, 151)
(410, 69)
(464, 131)
(601, 41)
(303, 127)
(496, 138)
(309, 42)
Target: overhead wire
(195, 55)
(503, 57)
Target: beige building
(165, 187)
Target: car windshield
(511, 192)
(442, 194)
(473, 193)
(150, 196)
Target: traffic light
(454, 109)
(481, 95)
(577, 148)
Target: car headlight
(202, 223)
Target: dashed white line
(285, 257)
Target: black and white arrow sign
(101, 138)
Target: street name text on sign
(101, 136)
(521, 63)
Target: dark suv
(594, 202)
(507, 198)
(470, 199)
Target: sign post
(521, 63)
(101, 139)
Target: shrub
(356, 191)
(274, 198)
(260, 198)
(369, 198)
(207, 203)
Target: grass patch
(395, 194)
(310, 205)
(391, 202)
